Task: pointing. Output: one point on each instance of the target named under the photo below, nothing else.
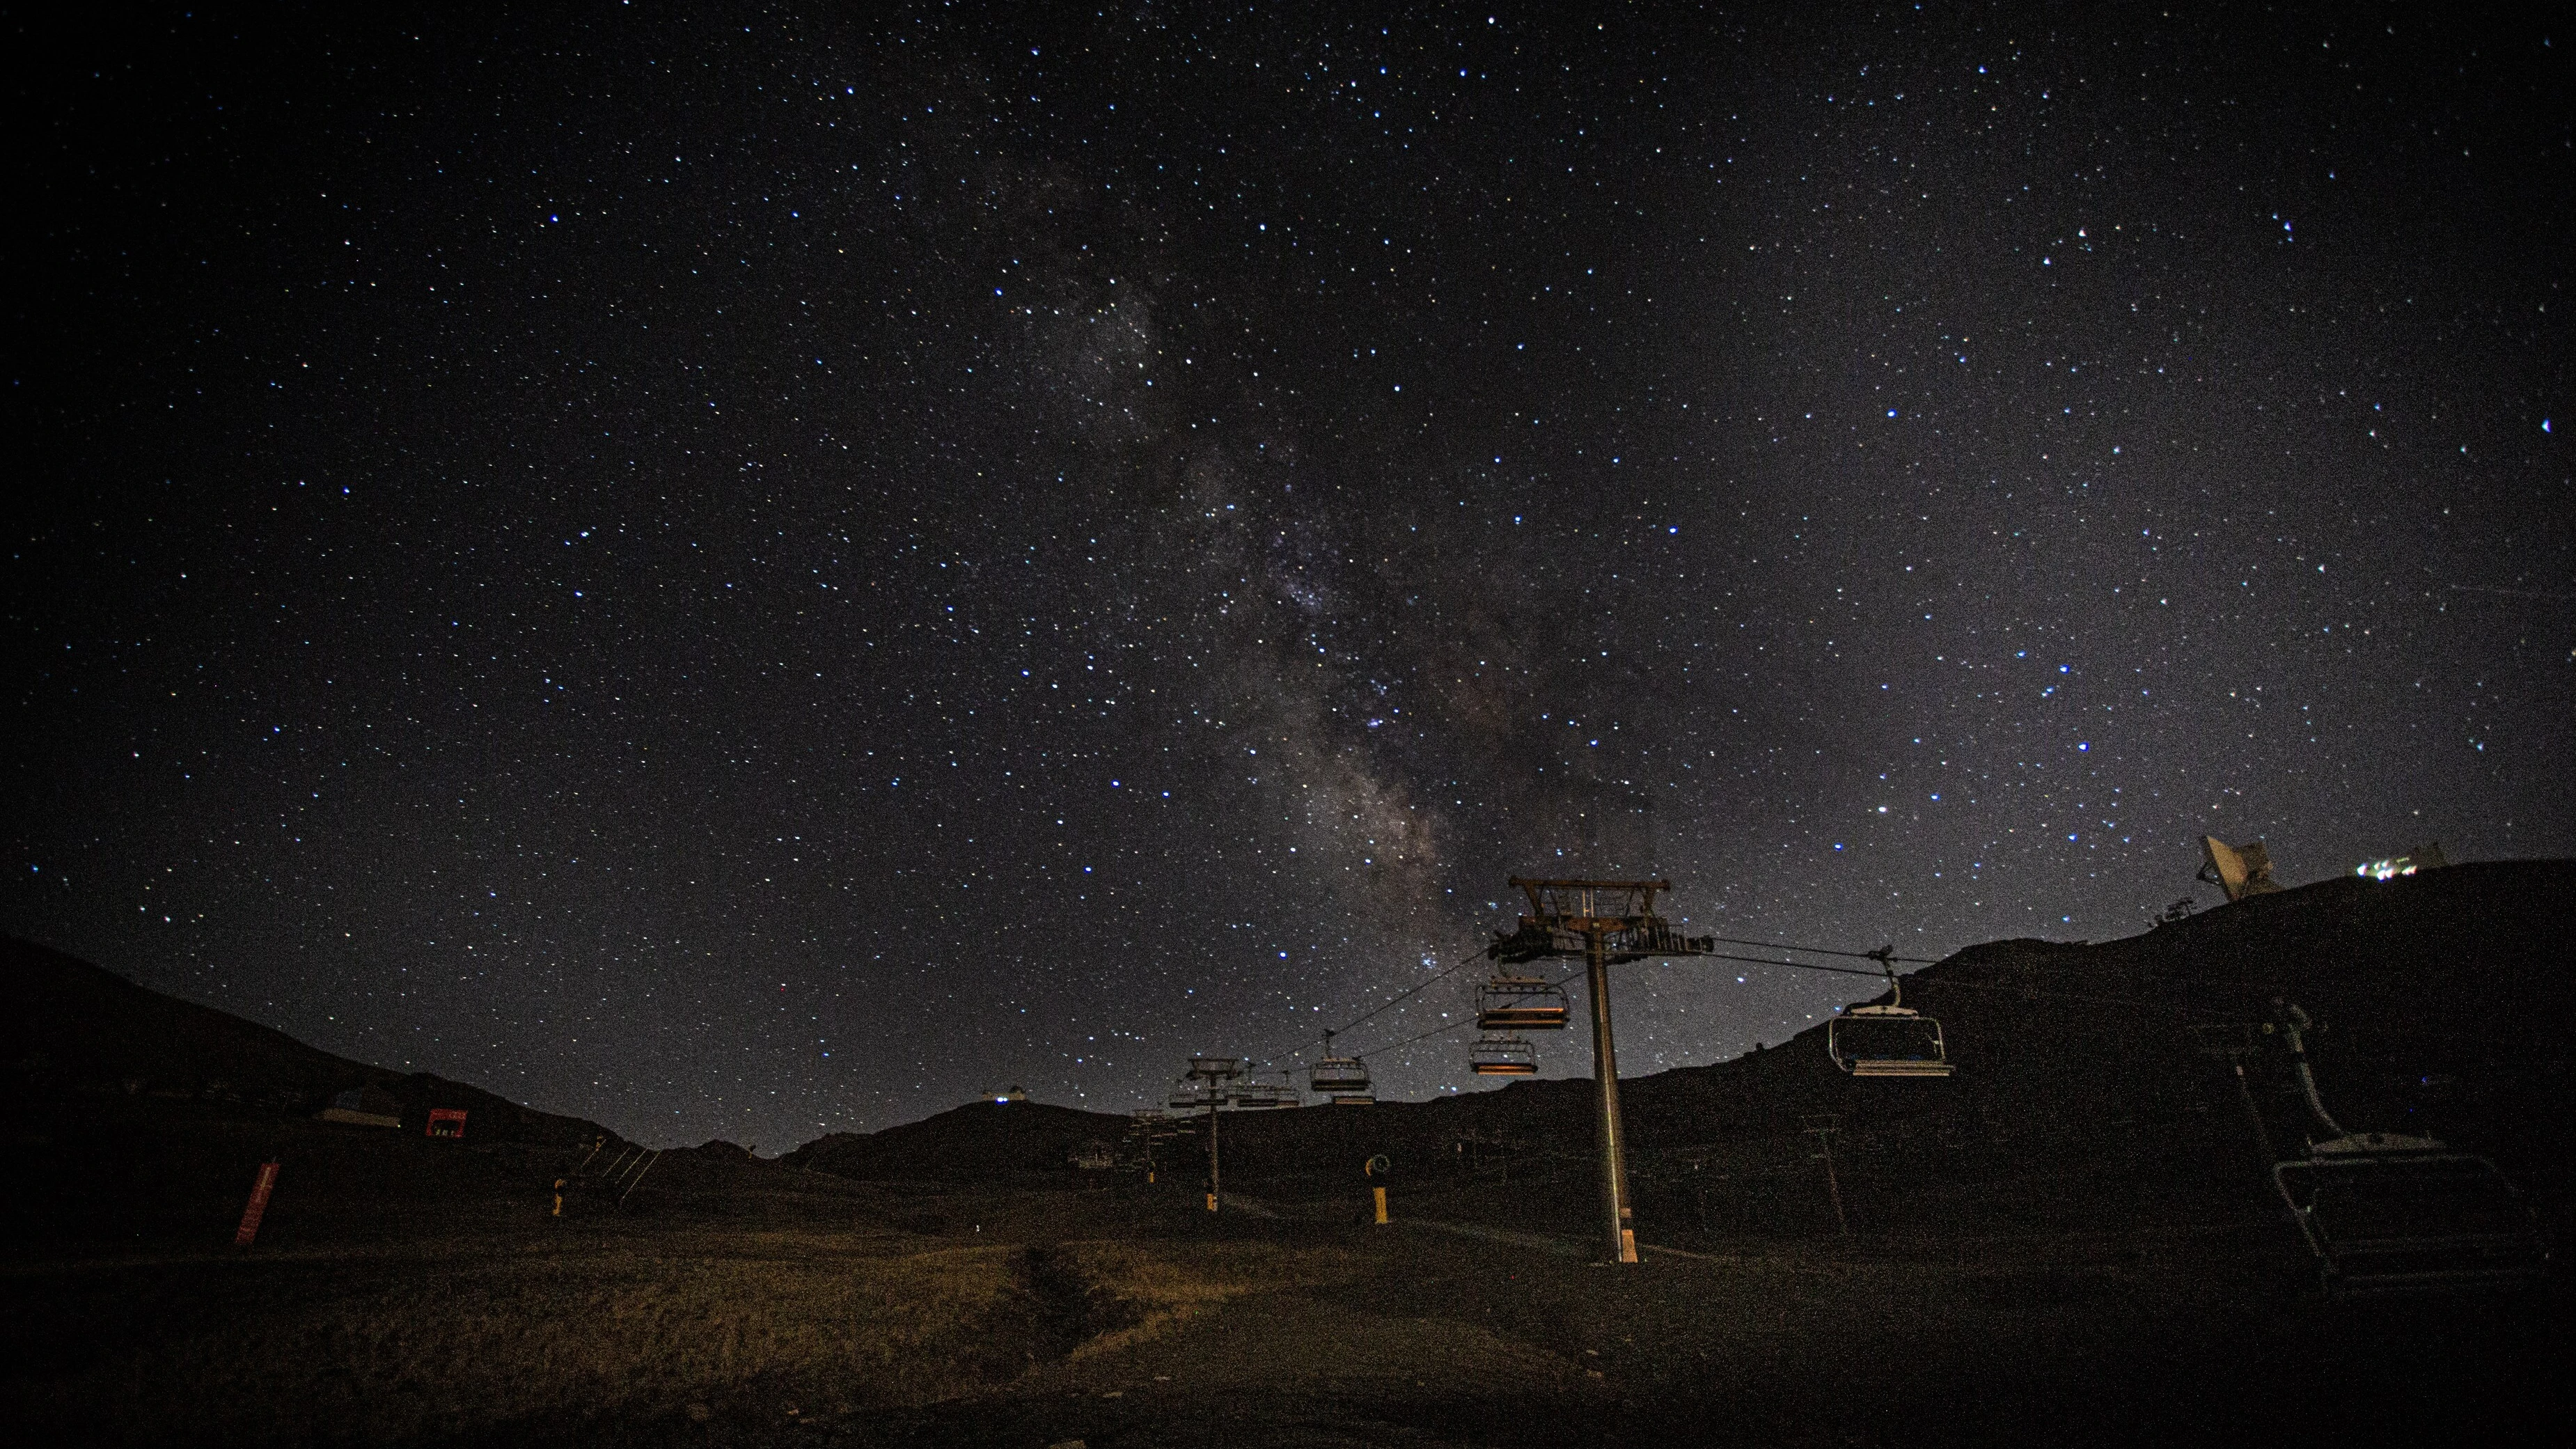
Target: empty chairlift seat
(1261, 1096)
(2384, 1212)
(1338, 1077)
(1887, 1041)
(1503, 1056)
(2391, 1214)
(1520, 1003)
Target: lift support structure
(1604, 923)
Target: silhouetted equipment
(607, 1172)
(367, 1106)
(1215, 1077)
(1521, 1003)
(1262, 1096)
(2421, 858)
(1145, 1127)
(2239, 870)
(2384, 1213)
(1503, 1056)
(1207, 1084)
(1887, 1041)
(1338, 1077)
(1823, 1128)
(1603, 922)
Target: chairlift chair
(2384, 1212)
(1502, 1056)
(1887, 1041)
(1260, 1096)
(1521, 1003)
(1334, 1076)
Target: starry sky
(743, 571)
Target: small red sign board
(257, 1207)
(446, 1121)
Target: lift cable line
(1918, 984)
(2028, 993)
(1444, 1030)
(1451, 970)
(1925, 984)
(1461, 964)
(1830, 951)
(1398, 999)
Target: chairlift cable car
(1334, 1076)
(1887, 1041)
(1502, 1056)
(1521, 1003)
(2384, 1212)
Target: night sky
(743, 573)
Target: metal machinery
(1887, 1041)
(1521, 1003)
(1503, 1056)
(2384, 1212)
(1343, 1079)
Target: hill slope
(70, 1028)
(135, 1116)
(2082, 1098)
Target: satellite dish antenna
(2239, 870)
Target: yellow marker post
(1211, 1202)
(1381, 1204)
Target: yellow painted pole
(1381, 1204)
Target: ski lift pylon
(1520, 1003)
(1887, 1041)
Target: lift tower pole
(1212, 1074)
(1615, 1212)
(1605, 922)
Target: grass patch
(461, 1342)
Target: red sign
(258, 1206)
(446, 1121)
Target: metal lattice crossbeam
(1565, 918)
(1625, 939)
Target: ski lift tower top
(1604, 922)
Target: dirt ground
(1133, 1317)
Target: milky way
(745, 574)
